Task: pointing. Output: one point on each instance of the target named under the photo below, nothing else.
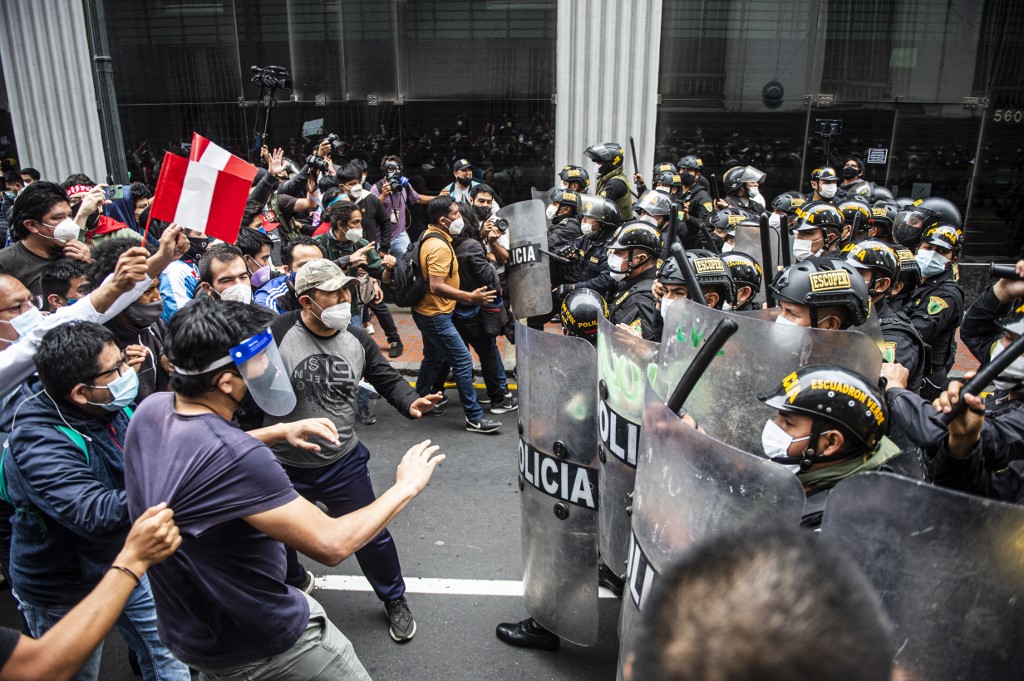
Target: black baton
(707, 352)
(985, 375)
(696, 295)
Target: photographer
(397, 196)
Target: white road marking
(429, 585)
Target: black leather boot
(527, 634)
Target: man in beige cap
(325, 358)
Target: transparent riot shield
(529, 276)
(545, 198)
(622, 366)
(690, 487)
(949, 568)
(748, 240)
(871, 327)
(558, 481)
(752, 363)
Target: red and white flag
(209, 154)
(206, 193)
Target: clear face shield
(261, 367)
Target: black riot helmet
(726, 219)
(576, 177)
(878, 258)
(948, 212)
(712, 274)
(883, 215)
(608, 156)
(739, 176)
(1013, 322)
(824, 174)
(653, 203)
(637, 236)
(670, 275)
(745, 271)
(820, 215)
(579, 312)
(691, 163)
(944, 236)
(566, 197)
(834, 398)
(666, 178)
(910, 274)
(601, 210)
(789, 202)
(879, 193)
(912, 222)
(820, 283)
(665, 167)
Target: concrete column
(48, 71)
(607, 79)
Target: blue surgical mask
(931, 262)
(124, 389)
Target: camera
(501, 224)
(336, 142)
(827, 127)
(318, 163)
(273, 77)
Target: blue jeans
(443, 346)
(137, 626)
(399, 245)
(343, 487)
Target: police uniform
(614, 186)
(751, 210)
(903, 344)
(699, 207)
(935, 310)
(634, 305)
(563, 233)
(591, 256)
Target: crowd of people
(158, 385)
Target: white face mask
(802, 249)
(753, 192)
(774, 220)
(931, 262)
(726, 307)
(354, 235)
(551, 211)
(586, 229)
(456, 227)
(240, 293)
(64, 231)
(357, 192)
(25, 322)
(727, 247)
(651, 220)
(827, 190)
(776, 443)
(615, 263)
(785, 321)
(336, 316)
(665, 303)
(1013, 375)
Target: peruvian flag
(206, 192)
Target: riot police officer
(633, 262)
(695, 200)
(715, 282)
(654, 208)
(747, 277)
(856, 216)
(660, 178)
(579, 312)
(914, 220)
(741, 189)
(938, 304)
(575, 178)
(854, 183)
(908, 281)
(883, 214)
(817, 231)
(565, 224)
(830, 425)
(825, 186)
(611, 177)
(880, 267)
(599, 218)
(820, 293)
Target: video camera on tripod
(828, 128)
(272, 77)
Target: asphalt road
(465, 525)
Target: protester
(63, 283)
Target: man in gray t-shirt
(325, 359)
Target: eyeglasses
(119, 369)
(22, 307)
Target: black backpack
(408, 283)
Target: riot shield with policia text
(690, 487)
(623, 360)
(949, 568)
(558, 481)
(529, 276)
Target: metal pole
(110, 122)
(977, 161)
(803, 152)
(892, 144)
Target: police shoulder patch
(709, 207)
(889, 351)
(936, 305)
(637, 326)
